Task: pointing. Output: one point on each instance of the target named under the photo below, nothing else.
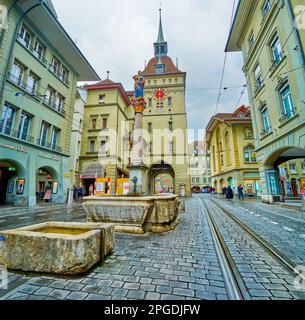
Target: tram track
(234, 279)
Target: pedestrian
(75, 193)
(230, 194)
(241, 195)
(225, 191)
(81, 193)
(91, 190)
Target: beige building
(200, 166)
(274, 65)
(108, 129)
(231, 144)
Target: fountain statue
(138, 212)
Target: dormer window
(160, 68)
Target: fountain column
(137, 168)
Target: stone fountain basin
(56, 247)
(134, 214)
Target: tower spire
(161, 45)
(160, 34)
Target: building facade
(39, 69)
(109, 118)
(200, 166)
(231, 144)
(105, 141)
(274, 65)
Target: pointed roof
(105, 82)
(170, 68)
(160, 34)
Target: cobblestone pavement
(263, 275)
(21, 217)
(178, 265)
(285, 233)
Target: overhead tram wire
(224, 64)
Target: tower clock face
(159, 94)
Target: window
(160, 107)
(32, 84)
(222, 160)
(93, 123)
(65, 75)
(149, 127)
(44, 131)
(101, 99)
(92, 146)
(169, 101)
(250, 155)
(104, 123)
(150, 102)
(287, 101)
(248, 133)
(55, 65)
(38, 50)
(170, 126)
(265, 120)
(103, 147)
(25, 37)
(293, 168)
(197, 180)
(276, 50)
(80, 125)
(266, 7)
(193, 180)
(49, 97)
(171, 147)
(7, 120)
(60, 102)
(258, 77)
(55, 138)
(251, 40)
(303, 167)
(17, 73)
(24, 125)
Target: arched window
(249, 153)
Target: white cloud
(118, 35)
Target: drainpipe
(13, 46)
(8, 14)
(297, 35)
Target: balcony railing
(265, 132)
(48, 145)
(277, 62)
(23, 83)
(55, 106)
(287, 116)
(40, 57)
(59, 75)
(15, 134)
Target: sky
(118, 35)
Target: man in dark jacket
(230, 194)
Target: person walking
(91, 190)
(81, 193)
(75, 193)
(230, 194)
(241, 195)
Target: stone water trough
(136, 215)
(56, 247)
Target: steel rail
(288, 263)
(233, 280)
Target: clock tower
(165, 116)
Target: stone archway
(13, 184)
(272, 178)
(46, 183)
(163, 171)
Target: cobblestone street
(179, 265)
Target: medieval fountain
(138, 212)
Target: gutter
(296, 33)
